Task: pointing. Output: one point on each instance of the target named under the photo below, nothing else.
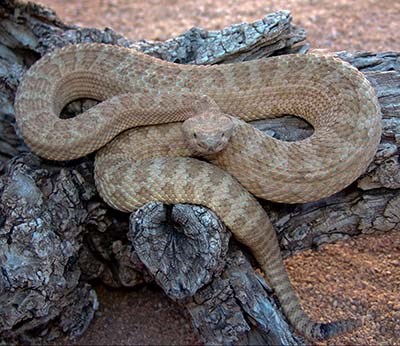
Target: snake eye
(194, 134)
(223, 134)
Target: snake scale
(138, 163)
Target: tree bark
(57, 235)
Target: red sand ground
(356, 278)
(333, 24)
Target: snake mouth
(205, 148)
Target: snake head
(208, 132)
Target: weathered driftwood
(57, 235)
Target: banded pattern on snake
(139, 163)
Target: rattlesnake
(153, 162)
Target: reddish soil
(137, 317)
(335, 25)
(360, 277)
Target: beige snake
(150, 163)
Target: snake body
(152, 163)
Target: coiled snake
(153, 163)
